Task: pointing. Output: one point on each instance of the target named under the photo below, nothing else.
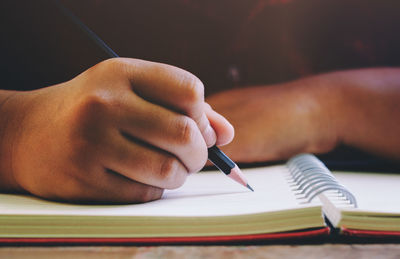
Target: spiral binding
(310, 177)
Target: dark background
(260, 41)
(226, 43)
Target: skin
(359, 108)
(121, 132)
(125, 130)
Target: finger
(224, 130)
(116, 188)
(144, 163)
(173, 88)
(104, 186)
(167, 130)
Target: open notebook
(378, 204)
(287, 203)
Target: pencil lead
(248, 186)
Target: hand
(276, 122)
(122, 131)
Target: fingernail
(210, 136)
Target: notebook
(378, 205)
(289, 202)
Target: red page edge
(369, 233)
(173, 240)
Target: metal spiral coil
(309, 177)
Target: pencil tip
(238, 176)
(248, 186)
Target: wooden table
(333, 251)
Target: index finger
(171, 87)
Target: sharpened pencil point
(249, 187)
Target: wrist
(337, 99)
(9, 111)
(325, 118)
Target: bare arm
(360, 108)
(7, 182)
(370, 109)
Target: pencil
(227, 166)
(215, 155)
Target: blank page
(203, 194)
(375, 192)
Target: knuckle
(106, 67)
(113, 64)
(97, 103)
(193, 88)
(86, 120)
(168, 168)
(171, 173)
(186, 131)
(94, 102)
(191, 143)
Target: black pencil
(227, 166)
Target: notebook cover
(369, 233)
(306, 234)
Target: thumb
(223, 129)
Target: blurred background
(226, 43)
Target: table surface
(231, 252)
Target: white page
(375, 192)
(203, 194)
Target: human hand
(122, 131)
(276, 122)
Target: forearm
(365, 108)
